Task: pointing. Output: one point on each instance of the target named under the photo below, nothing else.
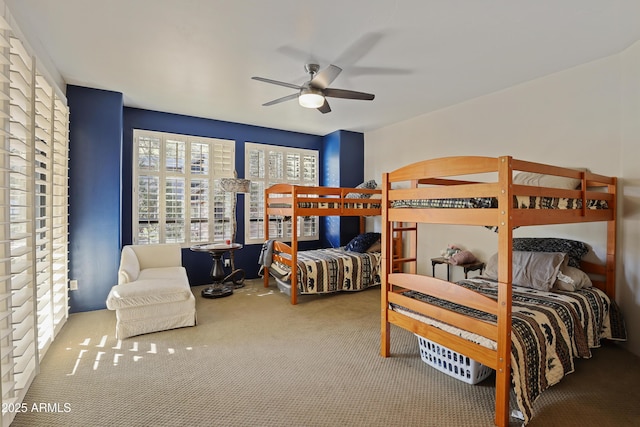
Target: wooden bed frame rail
(469, 177)
(297, 200)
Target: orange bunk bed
(474, 318)
(294, 201)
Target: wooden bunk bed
(294, 201)
(415, 193)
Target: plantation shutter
(34, 210)
(22, 196)
(177, 198)
(59, 212)
(266, 165)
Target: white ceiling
(196, 57)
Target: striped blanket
(520, 202)
(360, 204)
(331, 270)
(549, 330)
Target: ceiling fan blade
(325, 77)
(324, 108)
(276, 82)
(279, 100)
(348, 94)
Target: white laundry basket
(452, 363)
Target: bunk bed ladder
(404, 232)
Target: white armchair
(153, 292)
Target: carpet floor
(255, 360)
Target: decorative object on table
(449, 251)
(456, 256)
(462, 257)
(235, 185)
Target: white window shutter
(181, 201)
(34, 251)
(267, 165)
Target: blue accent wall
(101, 155)
(343, 166)
(198, 265)
(95, 146)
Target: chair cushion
(158, 255)
(147, 292)
(164, 273)
(129, 266)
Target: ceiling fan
(313, 93)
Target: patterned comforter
(521, 202)
(362, 204)
(331, 270)
(549, 330)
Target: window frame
(259, 183)
(220, 161)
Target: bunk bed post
(610, 287)
(387, 236)
(294, 245)
(505, 244)
(413, 240)
(265, 224)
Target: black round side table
(219, 288)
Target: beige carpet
(255, 360)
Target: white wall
(628, 290)
(572, 118)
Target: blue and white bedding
(332, 270)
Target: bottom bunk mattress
(330, 270)
(549, 330)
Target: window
(177, 196)
(266, 165)
(34, 255)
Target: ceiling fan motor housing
(312, 69)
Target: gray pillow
(542, 180)
(537, 270)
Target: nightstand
(472, 266)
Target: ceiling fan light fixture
(311, 99)
(313, 93)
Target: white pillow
(571, 279)
(537, 270)
(541, 180)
